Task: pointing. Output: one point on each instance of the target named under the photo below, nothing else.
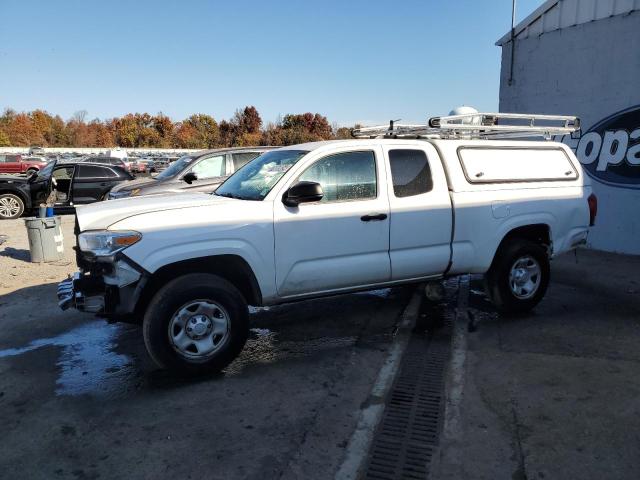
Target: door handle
(103, 184)
(374, 216)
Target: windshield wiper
(229, 195)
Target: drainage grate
(408, 432)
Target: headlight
(105, 243)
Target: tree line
(39, 127)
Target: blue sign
(610, 150)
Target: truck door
(341, 241)
(421, 212)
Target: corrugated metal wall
(567, 13)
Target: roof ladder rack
(477, 126)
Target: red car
(16, 164)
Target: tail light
(593, 209)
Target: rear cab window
(410, 172)
(516, 164)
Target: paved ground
(549, 395)
(79, 398)
(555, 394)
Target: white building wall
(591, 70)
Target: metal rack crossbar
(477, 126)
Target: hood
(13, 179)
(132, 184)
(101, 215)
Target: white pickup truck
(328, 218)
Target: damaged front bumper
(110, 288)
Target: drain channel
(408, 432)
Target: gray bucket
(46, 243)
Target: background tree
(198, 131)
(343, 133)
(205, 129)
(4, 139)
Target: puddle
(263, 347)
(87, 362)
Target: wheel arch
(539, 233)
(232, 268)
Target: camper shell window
(516, 164)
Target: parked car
(119, 162)
(200, 172)
(36, 150)
(162, 163)
(17, 164)
(74, 183)
(143, 165)
(325, 218)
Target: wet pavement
(553, 393)
(80, 399)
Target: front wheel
(519, 276)
(11, 206)
(197, 323)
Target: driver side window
(210, 167)
(345, 176)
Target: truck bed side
(487, 211)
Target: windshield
(175, 168)
(255, 180)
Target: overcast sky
(351, 60)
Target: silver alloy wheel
(525, 277)
(9, 207)
(198, 329)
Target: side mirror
(190, 177)
(302, 192)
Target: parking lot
(549, 395)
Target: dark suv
(73, 182)
(198, 172)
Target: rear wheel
(31, 171)
(11, 206)
(519, 276)
(197, 323)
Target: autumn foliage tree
(200, 130)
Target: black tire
(31, 171)
(170, 299)
(504, 296)
(11, 206)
